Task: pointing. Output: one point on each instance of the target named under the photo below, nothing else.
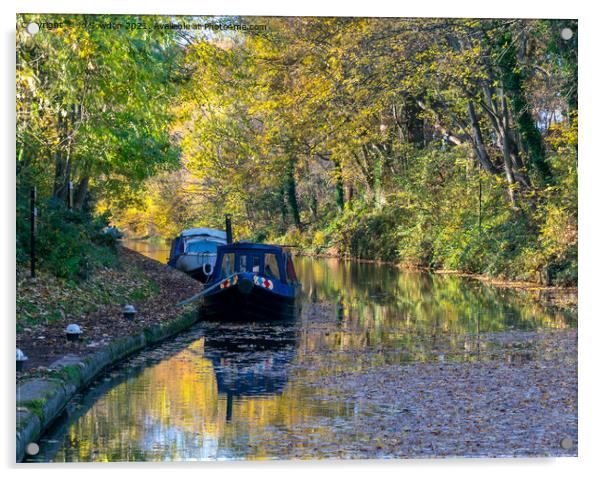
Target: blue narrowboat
(252, 282)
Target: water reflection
(250, 360)
(376, 294)
(234, 391)
(207, 395)
(156, 249)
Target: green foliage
(372, 235)
(446, 143)
(69, 243)
(436, 224)
(36, 406)
(94, 108)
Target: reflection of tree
(157, 250)
(421, 302)
(412, 313)
(177, 398)
(175, 409)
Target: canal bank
(57, 369)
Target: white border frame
(590, 174)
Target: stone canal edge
(40, 400)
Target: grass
(36, 406)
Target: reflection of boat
(250, 360)
(194, 251)
(252, 281)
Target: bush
(319, 239)
(443, 211)
(368, 234)
(435, 219)
(69, 244)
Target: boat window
(290, 270)
(242, 267)
(227, 264)
(256, 263)
(271, 265)
(201, 246)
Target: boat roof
(261, 247)
(201, 231)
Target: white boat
(194, 251)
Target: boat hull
(258, 304)
(196, 265)
(198, 274)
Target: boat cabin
(195, 241)
(270, 261)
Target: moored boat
(252, 282)
(194, 252)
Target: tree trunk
(59, 164)
(349, 193)
(520, 172)
(283, 210)
(508, 169)
(477, 141)
(378, 170)
(80, 193)
(313, 206)
(529, 134)
(340, 192)
(291, 192)
(500, 119)
(367, 171)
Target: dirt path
(44, 343)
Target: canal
(256, 391)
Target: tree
(94, 108)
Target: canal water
(229, 391)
